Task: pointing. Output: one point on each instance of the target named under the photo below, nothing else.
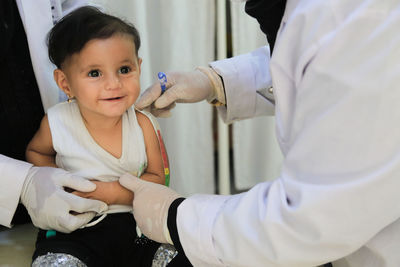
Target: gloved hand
(49, 205)
(182, 87)
(150, 206)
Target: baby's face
(104, 76)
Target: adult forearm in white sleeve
(244, 77)
(12, 177)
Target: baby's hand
(108, 192)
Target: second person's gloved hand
(151, 203)
(182, 87)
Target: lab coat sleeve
(339, 185)
(246, 81)
(12, 177)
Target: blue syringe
(163, 81)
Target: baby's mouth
(113, 98)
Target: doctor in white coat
(41, 190)
(335, 73)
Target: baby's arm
(40, 150)
(155, 168)
(109, 192)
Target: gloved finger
(147, 109)
(71, 222)
(82, 205)
(130, 182)
(169, 97)
(80, 194)
(78, 183)
(148, 96)
(163, 113)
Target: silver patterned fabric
(57, 260)
(164, 254)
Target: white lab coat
(335, 70)
(37, 17)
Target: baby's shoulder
(147, 121)
(142, 118)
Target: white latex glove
(49, 205)
(182, 87)
(150, 206)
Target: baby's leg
(85, 245)
(146, 253)
(129, 249)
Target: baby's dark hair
(82, 25)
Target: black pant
(109, 243)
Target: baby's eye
(94, 73)
(124, 70)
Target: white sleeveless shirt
(78, 153)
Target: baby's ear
(62, 82)
(140, 63)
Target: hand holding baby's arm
(109, 192)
